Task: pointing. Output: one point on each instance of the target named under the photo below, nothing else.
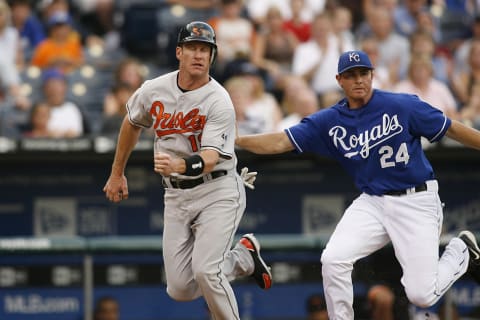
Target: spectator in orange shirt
(62, 49)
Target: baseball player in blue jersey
(375, 135)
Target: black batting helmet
(200, 32)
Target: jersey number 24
(388, 159)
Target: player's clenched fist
(116, 188)
(165, 164)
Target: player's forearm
(127, 139)
(210, 159)
(464, 134)
(267, 143)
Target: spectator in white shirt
(316, 60)
(421, 82)
(304, 103)
(66, 119)
(394, 48)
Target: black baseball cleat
(474, 251)
(261, 273)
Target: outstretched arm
(466, 135)
(266, 143)
(116, 188)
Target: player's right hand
(116, 188)
(163, 163)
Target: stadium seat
(454, 25)
(140, 30)
(87, 88)
(31, 82)
(150, 29)
(101, 58)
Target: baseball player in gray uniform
(194, 121)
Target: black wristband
(194, 165)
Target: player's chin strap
(248, 177)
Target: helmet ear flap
(213, 57)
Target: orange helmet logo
(196, 31)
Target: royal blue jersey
(379, 143)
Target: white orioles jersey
(186, 122)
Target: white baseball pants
(199, 228)
(413, 224)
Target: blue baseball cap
(353, 59)
(53, 73)
(58, 18)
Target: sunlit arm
(266, 143)
(116, 188)
(210, 158)
(466, 135)
(127, 139)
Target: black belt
(192, 183)
(419, 188)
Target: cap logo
(196, 31)
(354, 56)
(201, 32)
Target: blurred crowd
(68, 67)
